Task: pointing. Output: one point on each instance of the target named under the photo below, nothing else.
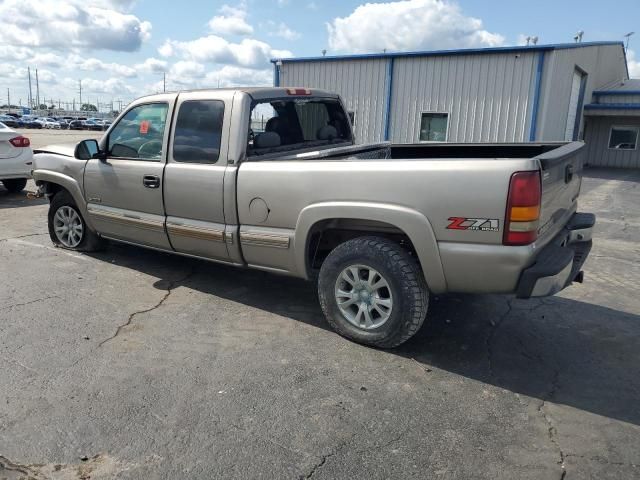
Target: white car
(49, 123)
(16, 159)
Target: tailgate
(561, 179)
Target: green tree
(42, 107)
(88, 107)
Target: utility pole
(164, 81)
(37, 90)
(30, 92)
(80, 90)
(8, 99)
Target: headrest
(266, 140)
(328, 132)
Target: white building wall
(360, 83)
(487, 96)
(603, 64)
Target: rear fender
(415, 225)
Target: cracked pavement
(134, 364)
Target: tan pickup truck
(271, 178)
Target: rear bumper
(559, 263)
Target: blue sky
(120, 48)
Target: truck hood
(65, 149)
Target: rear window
(294, 124)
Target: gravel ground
(133, 364)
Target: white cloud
(248, 53)
(408, 25)
(74, 23)
(47, 59)
(230, 76)
(282, 30)
(113, 86)
(186, 71)
(231, 21)
(634, 65)
(94, 64)
(152, 65)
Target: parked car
(11, 121)
(92, 125)
(380, 227)
(76, 125)
(51, 123)
(16, 159)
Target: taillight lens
(20, 142)
(523, 209)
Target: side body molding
(68, 183)
(411, 222)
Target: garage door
(574, 103)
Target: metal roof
(626, 87)
(465, 51)
(612, 106)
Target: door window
(198, 131)
(139, 134)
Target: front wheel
(67, 228)
(373, 291)
(15, 185)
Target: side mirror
(88, 149)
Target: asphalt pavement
(134, 364)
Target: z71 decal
(480, 224)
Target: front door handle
(151, 181)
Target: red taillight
(20, 142)
(298, 91)
(523, 209)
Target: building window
(433, 127)
(623, 138)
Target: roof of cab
(257, 93)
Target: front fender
(70, 185)
(415, 225)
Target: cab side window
(198, 131)
(139, 133)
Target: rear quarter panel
(435, 189)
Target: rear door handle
(151, 181)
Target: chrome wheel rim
(68, 226)
(363, 297)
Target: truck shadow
(18, 200)
(566, 351)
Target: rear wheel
(15, 185)
(373, 292)
(67, 228)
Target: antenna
(627, 36)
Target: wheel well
(50, 188)
(325, 235)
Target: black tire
(407, 287)
(90, 241)
(15, 185)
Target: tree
(42, 107)
(52, 107)
(88, 107)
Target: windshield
(295, 124)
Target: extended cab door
(194, 175)
(124, 192)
